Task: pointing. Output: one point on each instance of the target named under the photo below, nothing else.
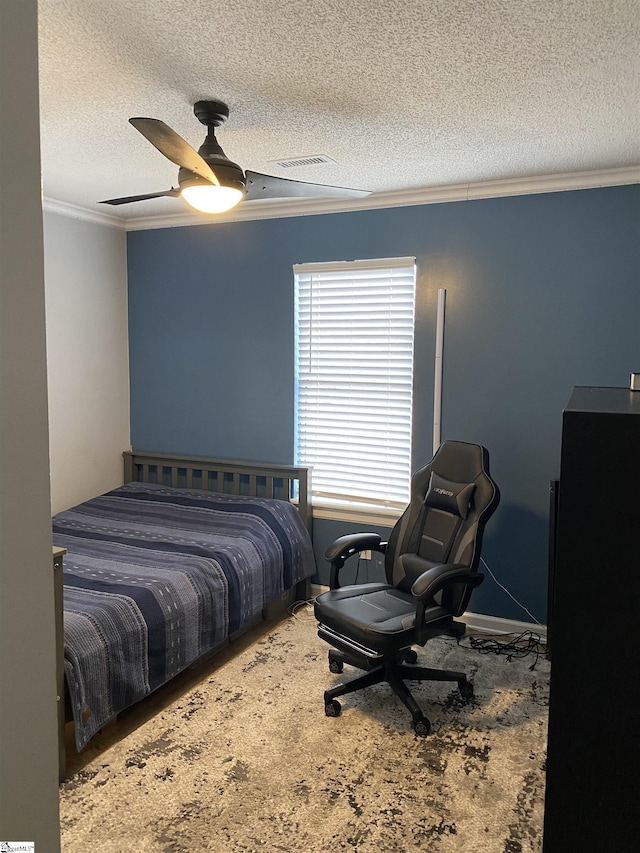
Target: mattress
(155, 577)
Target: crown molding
(75, 211)
(280, 208)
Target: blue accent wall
(543, 294)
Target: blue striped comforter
(155, 577)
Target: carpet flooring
(238, 755)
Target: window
(354, 379)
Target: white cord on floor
(303, 610)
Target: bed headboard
(254, 479)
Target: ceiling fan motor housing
(228, 174)
(213, 114)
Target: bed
(187, 555)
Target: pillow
(448, 496)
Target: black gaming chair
(431, 566)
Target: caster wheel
(332, 708)
(411, 656)
(336, 666)
(422, 726)
(466, 690)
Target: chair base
(393, 672)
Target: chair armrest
(353, 543)
(435, 578)
(347, 546)
(430, 582)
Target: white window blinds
(354, 378)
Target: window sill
(379, 515)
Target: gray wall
(542, 295)
(87, 357)
(28, 732)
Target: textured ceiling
(417, 93)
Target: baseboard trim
(479, 621)
(498, 625)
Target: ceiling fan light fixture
(207, 198)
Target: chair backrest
(452, 498)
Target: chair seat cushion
(376, 615)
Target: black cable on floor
(520, 646)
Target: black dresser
(593, 765)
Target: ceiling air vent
(313, 160)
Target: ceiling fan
(208, 180)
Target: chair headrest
(448, 496)
(457, 474)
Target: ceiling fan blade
(268, 186)
(173, 146)
(130, 198)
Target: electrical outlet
(365, 555)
